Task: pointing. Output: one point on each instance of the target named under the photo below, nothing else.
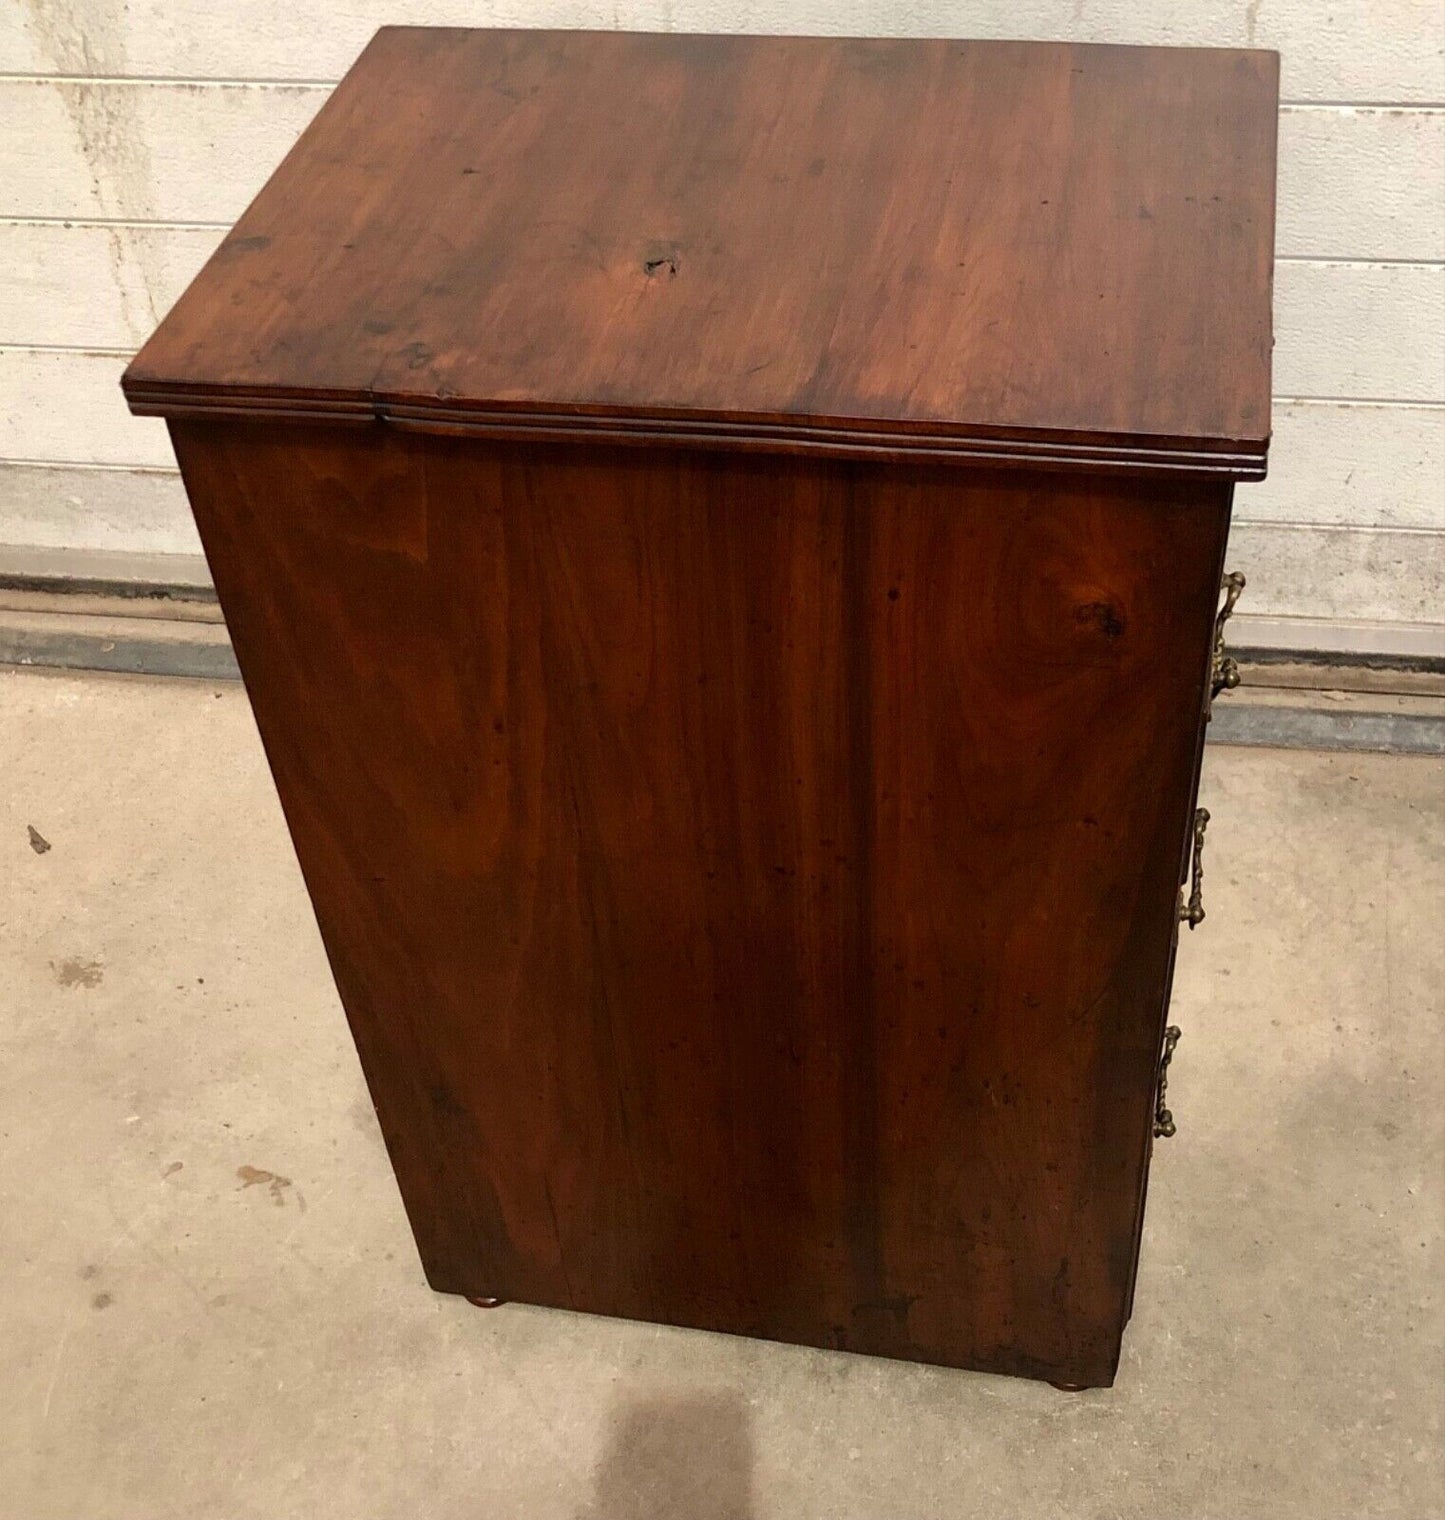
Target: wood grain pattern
(716, 233)
(750, 881)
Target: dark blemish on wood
(898, 1307)
(38, 842)
(75, 972)
(1060, 1293)
(1102, 615)
(469, 171)
(417, 355)
(102, 1301)
(445, 1101)
(666, 261)
(276, 1185)
(816, 167)
(89, 1272)
(376, 328)
(252, 244)
(173, 1168)
(893, 593)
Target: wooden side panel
(749, 881)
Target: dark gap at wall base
(148, 651)
(1326, 660)
(1313, 728)
(113, 588)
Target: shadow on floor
(684, 1457)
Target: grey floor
(212, 1308)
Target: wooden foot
(1062, 1387)
(484, 1303)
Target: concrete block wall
(133, 131)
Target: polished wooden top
(1032, 251)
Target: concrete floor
(212, 1307)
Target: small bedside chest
(723, 537)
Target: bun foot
(1062, 1387)
(484, 1303)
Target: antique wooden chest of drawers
(723, 537)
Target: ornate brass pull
(1192, 912)
(1224, 669)
(1163, 1119)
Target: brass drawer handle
(1163, 1120)
(1224, 668)
(1192, 912)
